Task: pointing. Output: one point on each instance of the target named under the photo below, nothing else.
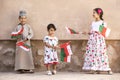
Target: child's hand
(89, 33)
(69, 41)
(56, 47)
(48, 45)
(84, 33)
(26, 40)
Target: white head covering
(22, 13)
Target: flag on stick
(104, 30)
(66, 52)
(16, 35)
(24, 46)
(71, 31)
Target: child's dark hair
(51, 26)
(100, 12)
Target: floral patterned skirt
(50, 57)
(96, 57)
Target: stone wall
(7, 55)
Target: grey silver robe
(24, 59)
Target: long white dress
(50, 56)
(24, 59)
(96, 57)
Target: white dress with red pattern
(96, 57)
(50, 56)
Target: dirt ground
(58, 76)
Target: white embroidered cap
(22, 13)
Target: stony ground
(58, 76)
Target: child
(51, 42)
(96, 58)
(24, 59)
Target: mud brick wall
(7, 55)
(76, 14)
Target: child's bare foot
(92, 72)
(31, 71)
(98, 72)
(21, 71)
(54, 72)
(110, 72)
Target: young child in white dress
(96, 58)
(51, 44)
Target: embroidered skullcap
(22, 13)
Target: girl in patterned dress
(50, 56)
(96, 58)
